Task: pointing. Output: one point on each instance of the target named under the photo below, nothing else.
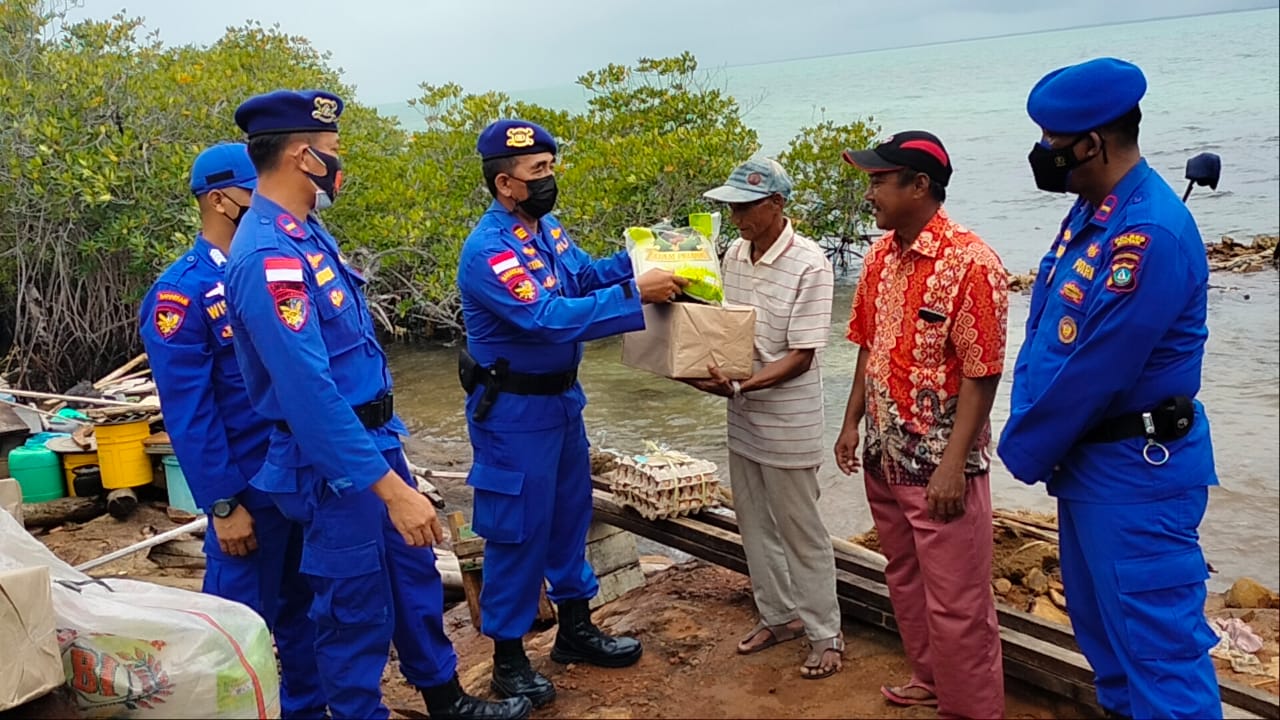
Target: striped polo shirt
(790, 288)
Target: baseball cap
(753, 180)
(915, 149)
(225, 165)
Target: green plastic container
(39, 472)
(179, 492)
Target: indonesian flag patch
(288, 293)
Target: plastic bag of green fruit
(689, 252)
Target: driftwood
(120, 372)
(68, 398)
(62, 511)
(1025, 526)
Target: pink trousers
(939, 578)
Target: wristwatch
(223, 508)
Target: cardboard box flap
(31, 664)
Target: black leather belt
(373, 415)
(1170, 420)
(498, 378)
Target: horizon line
(867, 51)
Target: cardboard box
(31, 665)
(11, 497)
(680, 339)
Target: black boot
(579, 641)
(513, 676)
(449, 702)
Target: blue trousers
(370, 589)
(269, 581)
(533, 508)
(1134, 577)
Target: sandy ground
(690, 617)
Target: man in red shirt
(929, 319)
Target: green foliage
(99, 122)
(827, 203)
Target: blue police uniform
(532, 298)
(1117, 328)
(221, 442)
(306, 343)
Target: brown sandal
(777, 634)
(817, 652)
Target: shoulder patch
(1136, 241)
(283, 270)
(1123, 275)
(173, 296)
(556, 233)
(292, 307)
(521, 234)
(1093, 251)
(218, 290)
(168, 319)
(523, 288)
(504, 261)
(314, 259)
(290, 226)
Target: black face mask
(331, 182)
(542, 196)
(242, 208)
(1051, 167)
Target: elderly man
(1103, 408)
(776, 419)
(929, 320)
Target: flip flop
(893, 695)
(817, 651)
(777, 634)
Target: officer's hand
(235, 532)
(847, 450)
(411, 512)
(659, 286)
(946, 493)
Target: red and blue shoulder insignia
(290, 226)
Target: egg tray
(665, 488)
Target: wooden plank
(120, 372)
(471, 567)
(870, 565)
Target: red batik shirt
(928, 317)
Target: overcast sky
(387, 47)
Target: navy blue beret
(504, 138)
(1084, 97)
(289, 111)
